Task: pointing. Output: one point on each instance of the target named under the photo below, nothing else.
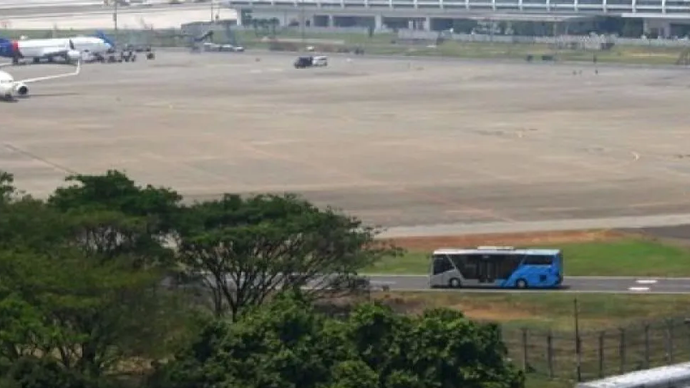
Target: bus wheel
(454, 283)
(521, 284)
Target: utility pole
(212, 11)
(578, 342)
(115, 18)
(301, 24)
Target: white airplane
(9, 87)
(70, 49)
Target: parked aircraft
(70, 49)
(9, 87)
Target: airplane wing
(49, 77)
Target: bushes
(288, 344)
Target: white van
(320, 61)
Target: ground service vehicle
(308, 61)
(503, 267)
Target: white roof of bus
(522, 251)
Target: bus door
(487, 269)
(471, 269)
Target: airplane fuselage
(51, 48)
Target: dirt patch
(510, 239)
(488, 312)
(492, 313)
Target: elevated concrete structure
(659, 16)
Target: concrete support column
(427, 24)
(331, 21)
(378, 22)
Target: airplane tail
(106, 39)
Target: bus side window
(508, 265)
(459, 261)
(471, 266)
(441, 265)
(538, 260)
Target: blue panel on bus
(536, 276)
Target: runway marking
(558, 209)
(632, 206)
(63, 169)
(639, 289)
(646, 281)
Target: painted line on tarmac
(639, 289)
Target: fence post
(669, 342)
(646, 346)
(524, 350)
(621, 350)
(601, 354)
(549, 353)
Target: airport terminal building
(663, 18)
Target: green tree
(86, 315)
(440, 348)
(251, 248)
(7, 189)
(110, 216)
(34, 372)
(28, 224)
(287, 344)
(114, 191)
(111, 235)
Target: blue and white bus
(503, 267)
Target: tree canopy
(288, 344)
(106, 277)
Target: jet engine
(73, 55)
(21, 89)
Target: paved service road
(593, 284)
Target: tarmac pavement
(575, 284)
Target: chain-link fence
(595, 354)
